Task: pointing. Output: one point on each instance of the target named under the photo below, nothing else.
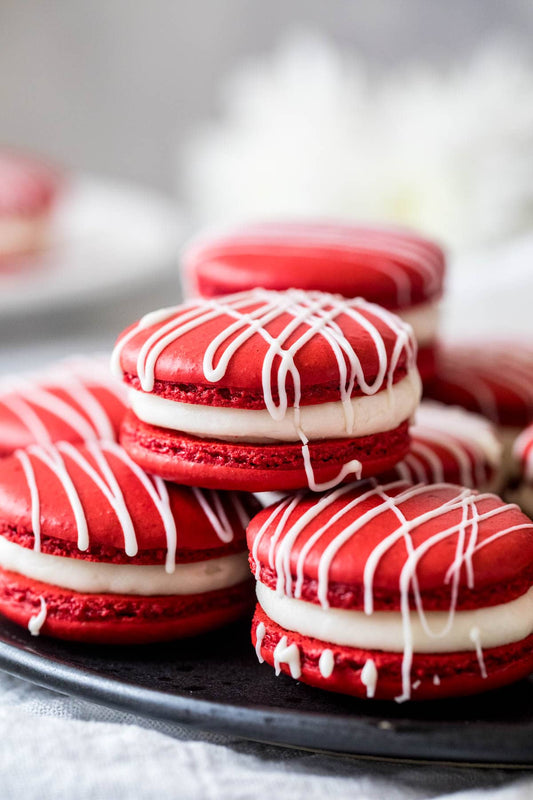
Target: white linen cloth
(56, 747)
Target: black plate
(215, 683)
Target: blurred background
(172, 116)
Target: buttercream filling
(370, 414)
(383, 630)
(135, 579)
(424, 320)
(19, 233)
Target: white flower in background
(309, 132)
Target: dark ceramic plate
(215, 683)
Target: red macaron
(397, 591)
(93, 549)
(74, 400)
(266, 390)
(451, 445)
(393, 267)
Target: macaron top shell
(73, 400)
(367, 546)
(27, 185)
(93, 496)
(493, 378)
(272, 345)
(390, 266)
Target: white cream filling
(375, 413)
(137, 579)
(424, 320)
(21, 233)
(383, 630)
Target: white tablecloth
(56, 747)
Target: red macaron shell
(252, 467)
(73, 400)
(457, 674)
(523, 453)
(493, 378)
(501, 559)
(120, 619)
(181, 363)
(390, 266)
(27, 184)
(193, 511)
(449, 444)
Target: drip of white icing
(259, 636)
(311, 314)
(369, 677)
(36, 622)
(416, 685)
(326, 663)
(34, 497)
(475, 636)
(287, 654)
(436, 680)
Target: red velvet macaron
(265, 391)
(521, 491)
(449, 444)
(28, 191)
(74, 400)
(492, 378)
(397, 591)
(93, 549)
(393, 267)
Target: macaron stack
(384, 569)
(395, 268)
(91, 547)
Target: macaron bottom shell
(432, 676)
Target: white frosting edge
(383, 630)
(93, 577)
(424, 320)
(376, 413)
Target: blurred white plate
(490, 293)
(108, 236)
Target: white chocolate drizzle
(283, 536)
(479, 369)
(287, 654)
(311, 314)
(468, 439)
(259, 636)
(36, 622)
(369, 677)
(100, 471)
(26, 396)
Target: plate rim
(378, 737)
